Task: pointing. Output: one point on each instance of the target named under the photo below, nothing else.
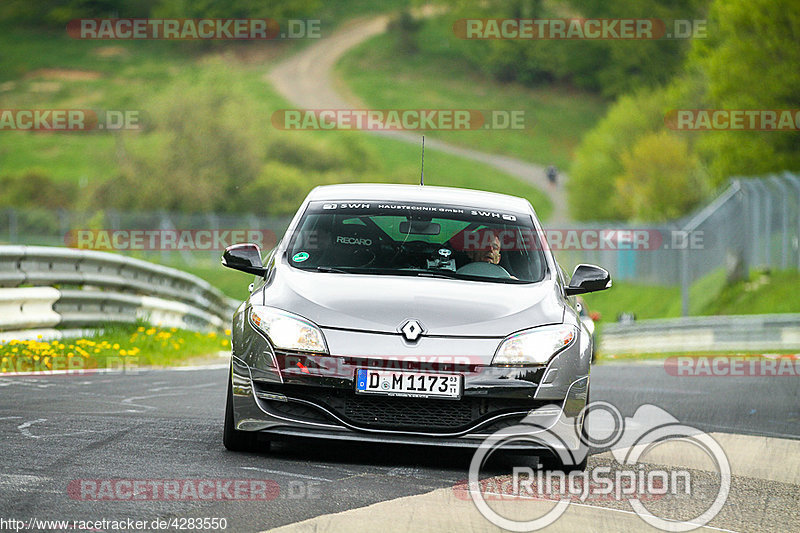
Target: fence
(69, 288)
(753, 223)
(56, 228)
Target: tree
(751, 60)
(661, 179)
(598, 160)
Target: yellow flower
(116, 346)
(224, 342)
(140, 328)
(227, 332)
(123, 352)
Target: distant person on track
(552, 175)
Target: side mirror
(588, 278)
(244, 257)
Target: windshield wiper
(433, 274)
(332, 269)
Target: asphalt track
(167, 424)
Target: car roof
(419, 193)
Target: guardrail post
(784, 220)
(13, 225)
(685, 281)
(795, 181)
(767, 222)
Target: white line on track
(282, 473)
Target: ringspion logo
(569, 439)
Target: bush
(37, 190)
(742, 76)
(212, 144)
(276, 190)
(661, 180)
(598, 160)
(312, 152)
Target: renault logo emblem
(411, 330)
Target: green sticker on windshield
(299, 257)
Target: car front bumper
(288, 403)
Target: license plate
(417, 384)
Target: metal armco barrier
(72, 288)
(704, 334)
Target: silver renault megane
(405, 314)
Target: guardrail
(69, 288)
(704, 334)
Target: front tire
(233, 439)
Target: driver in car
(485, 250)
(488, 249)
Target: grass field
(763, 292)
(49, 70)
(115, 346)
(436, 77)
(82, 74)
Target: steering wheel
(484, 269)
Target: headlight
(288, 331)
(534, 346)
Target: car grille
(407, 412)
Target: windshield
(418, 240)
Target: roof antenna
(422, 168)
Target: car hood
(444, 307)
